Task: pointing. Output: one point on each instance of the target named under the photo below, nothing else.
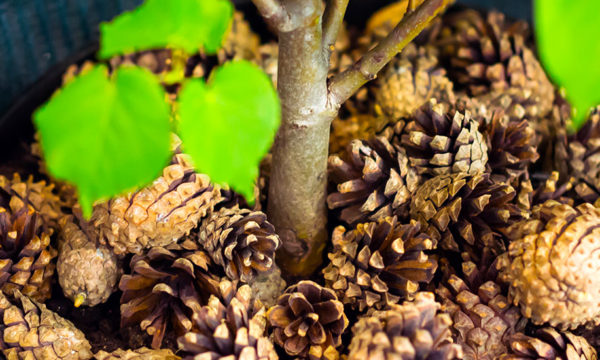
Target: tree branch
(344, 85)
(274, 13)
(332, 21)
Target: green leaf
(228, 124)
(568, 33)
(188, 25)
(106, 135)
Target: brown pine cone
(26, 256)
(547, 343)
(87, 271)
(484, 319)
(413, 330)
(166, 287)
(308, 321)
(440, 140)
(240, 240)
(465, 212)
(157, 215)
(410, 80)
(137, 354)
(354, 127)
(488, 54)
(379, 263)
(553, 271)
(230, 327)
(552, 135)
(373, 180)
(30, 331)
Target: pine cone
(484, 319)
(553, 137)
(410, 80)
(30, 331)
(308, 321)
(379, 263)
(464, 212)
(166, 286)
(240, 240)
(241, 42)
(26, 256)
(553, 272)
(413, 330)
(87, 271)
(440, 140)
(488, 54)
(373, 180)
(137, 354)
(547, 343)
(157, 215)
(354, 127)
(232, 327)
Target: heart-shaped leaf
(106, 134)
(228, 124)
(568, 33)
(188, 25)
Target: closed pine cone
(410, 80)
(157, 215)
(137, 354)
(87, 271)
(413, 330)
(240, 240)
(308, 321)
(373, 179)
(26, 256)
(229, 327)
(464, 212)
(379, 263)
(30, 331)
(444, 140)
(548, 343)
(488, 54)
(553, 272)
(166, 287)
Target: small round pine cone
(231, 327)
(440, 140)
(373, 179)
(548, 343)
(30, 331)
(308, 321)
(240, 240)
(26, 256)
(157, 215)
(137, 354)
(410, 80)
(379, 263)
(488, 54)
(87, 271)
(553, 272)
(166, 287)
(465, 212)
(413, 330)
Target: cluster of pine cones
(454, 183)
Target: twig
(273, 12)
(332, 21)
(344, 85)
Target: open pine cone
(137, 354)
(30, 331)
(413, 330)
(229, 327)
(444, 140)
(240, 240)
(373, 179)
(547, 343)
(487, 54)
(26, 256)
(157, 215)
(166, 287)
(379, 263)
(308, 321)
(553, 271)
